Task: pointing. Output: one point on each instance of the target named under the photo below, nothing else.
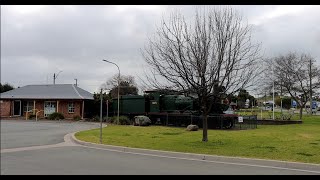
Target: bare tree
(211, 56)
(127, 85)
(292, 74)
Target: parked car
(267, 108)
(318, 106)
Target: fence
(249, 122)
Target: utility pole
(310, 76)
(55, 77)
(76, 81)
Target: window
(49, 107)
(71, 107)
(28, 106)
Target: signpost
(313, 107)
(294, 104)
(107, 111)
(240, 119)
(101, 117)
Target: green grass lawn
(297, 142)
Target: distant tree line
(5, 87)
(294, 74)
(110, 88)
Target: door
(17, 108)
(49, 107)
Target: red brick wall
(5, 106)
(40, 107)
(5, 110)
(63, 108)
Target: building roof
(48, 91)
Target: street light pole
(118, 87)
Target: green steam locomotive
(172, 109)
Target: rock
(192, 127)
(142, 121)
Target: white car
(267, 108)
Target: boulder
(192, 127)
(142, 121)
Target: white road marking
(67, 142)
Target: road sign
(314, 105)
(240, 119)
(294, 103)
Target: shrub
(77, 117)
(113, 119)
(110, 119)
(56, 116)
(96, 118)
(123, 120)
(270, 114)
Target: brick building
(67, 99)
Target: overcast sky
(38, 41)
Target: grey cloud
(296, 33)
(76, 39)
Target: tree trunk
(205, 127)
(300, 113)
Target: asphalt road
(39, 148)
(23, 133)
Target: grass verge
(296, 142)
